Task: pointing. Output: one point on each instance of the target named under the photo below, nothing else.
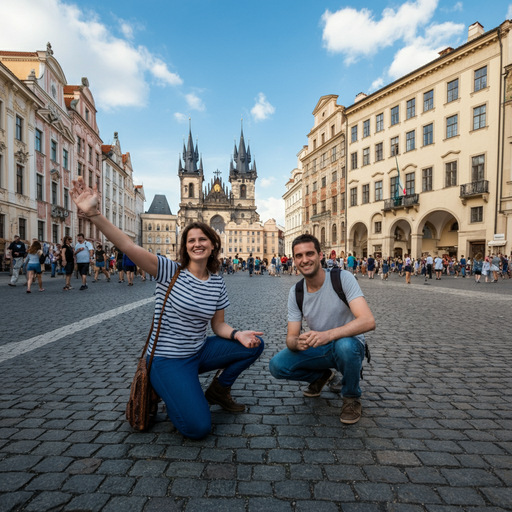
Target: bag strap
(336, 284)
(171, 284)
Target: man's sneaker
(335, 385)
(11, 284)
(219, 395)
(86, 287)
(315, 388)
(351, 411)
(83, 287)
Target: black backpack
(336, 284)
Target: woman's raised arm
(87, 200)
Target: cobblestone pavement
(436, 432)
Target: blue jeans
(345, 354)
(54, 268)
(176, 380)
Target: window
(394, 146)
(324, 182)
(314, 209)
(22, 228)
(366, 128)
(481, 78)
(307, 214)
(307, 189)
(39, 188)
(39, 141)
(323, 160)
(65, 156)
(479, 117)
(107, 190)
(79, 145)
(19, 180)
(366, 156)
(334, 232)
(379, 152)
(40, 230)
(333, 131)
(90, 154)
(54, 193)
(97, 161)
(378, 191)
(379, 122)
(366, 194)
(353, 158)
(410, 182)
(410, 140)
(453, 90)
(343, 172)
(451, 126)
(191, 190)
(378, 227)
(314, 186)
(427, 179)
(90, 180)
(334, 176)
(53, 150)
(334, 205)
(395, 115)
(411, 108)
(478, 168)
(66, 199)
(353, 196)
(86, 115)
(477, 214)
(314, 166)
(353, 133)
(55, 233)
(394, 186)
(323, 206)
(451, 175)
(79, 169)
(243, 191)
(428, 100)
(333, 154)
(428, 134)
(342, 202)
(314, 144)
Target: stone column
(416, 243)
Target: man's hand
(312, 339)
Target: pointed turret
(201, 165)
(248, 153)
(180, 167)
(254, 167)
(191, 154)
(235, 152)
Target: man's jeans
(176, 380)
(54, 268)
(18, 263)
(345, 354)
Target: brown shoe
(351, 411)
(315, 388)
(219, 395)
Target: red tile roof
(68, 89)
(68, 101)
(106, 148)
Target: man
(119, 264)
(250, 264)
(351, 263)
(336, 337)
(370, 266)
(430, 262)
(18, 251)
(84, 252)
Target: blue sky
(151, 65)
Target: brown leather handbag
(142, 406)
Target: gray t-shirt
(324, 310)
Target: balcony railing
(474, 188)
(402, 202)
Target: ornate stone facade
(159, 229)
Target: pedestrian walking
(84, 252)
(18, 253)
(408, 269)
(34, 257)
(438, 267)
(429, 262)
(100, 262)
(370, 265)
(478, 265)
(486, 269)
(495, 262)
(129, 267)
(250, 264)
(68, 262)
(336, 337)
(119, 264)
(385, 269)
(183, 349)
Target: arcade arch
(358, 241)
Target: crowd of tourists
(278, 265)
(82, 258)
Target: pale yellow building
(159, 229)
(323, 176)
(442, 124)
(293, 204)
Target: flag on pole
(400, 189)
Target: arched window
(158, 240)
(166, 240)
(158, 227)
(243, 191)
(427, 232)
(167, 227)
(343, 231)
(149, 239)
(149, 227)
(334, 234)
(322, 236)
(455, 226)
(191, 190)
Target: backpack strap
(299, 295)
(336, 284)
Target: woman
(385, 269)
(495, 262)
(438, 267)
(478, 264)
(129, 267)
(486, 269)
(100, 258)
(199, 297)
(68, 263)
(257, 264)
(34, 266)
(408, 269)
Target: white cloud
(195, 102)
(119, 71)
(266, 182)
(262, 109)
(509, 12)
(457, 7)
(342, 29)
(271, 208)
(181, 118)
(377, 84)
(126, 29)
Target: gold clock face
(216, 188)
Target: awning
(497, 243)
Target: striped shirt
(190, 306)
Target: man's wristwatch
(233, 334)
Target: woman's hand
(85, 198)
(248, 338)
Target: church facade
(217, 203)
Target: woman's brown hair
(36, 246)
(213, 261)
(66, 239)
(479, 256)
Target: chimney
(445, 51)
(475, 31)
(360, 96)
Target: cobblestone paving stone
(435, 436)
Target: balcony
(474, 189)
(397, 203)
(319, 216)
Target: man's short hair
(306, 238)
(80, 234)
(16, 236)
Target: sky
(153, 65)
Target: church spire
(191, 154)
